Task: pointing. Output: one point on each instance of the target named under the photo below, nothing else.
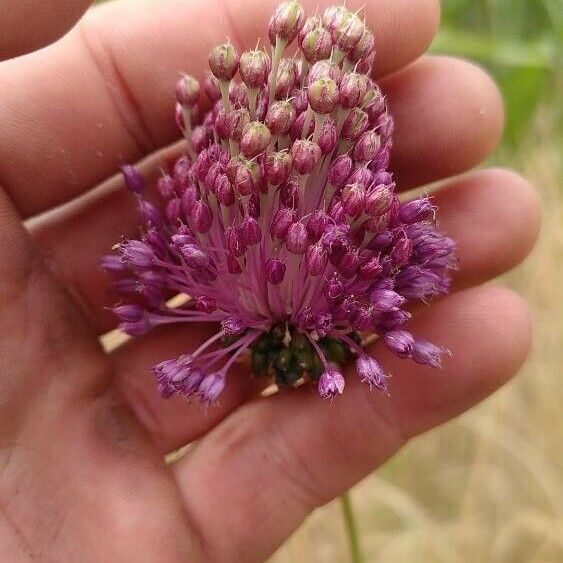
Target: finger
(494, 216)
(175, 422)
(448, 115)
(253, 480)
(73, 242)
(28, 25)
(103, 101)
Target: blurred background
(487, 487)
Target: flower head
(281, 222)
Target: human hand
(83, 432)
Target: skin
(82, 432)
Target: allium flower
(281, 223)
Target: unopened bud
(340, 171)
(367, 147)
(275, 271)
(255, 138)
(297, 241)
(317, 45)
(187, 91)
(323, 95)
(133, 179)
(223, 61)
(278, 167)
(353, 88)
(280, 117)
(286, 22)
(353, 199)
(306, 155)
(356, 123)
(254, 68)
(316, 259)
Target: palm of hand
(83, 433)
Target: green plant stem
(351, 529)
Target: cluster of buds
(281, 222)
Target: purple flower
(370, 371)
(281, 221)
(331, 384)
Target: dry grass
(487, 487)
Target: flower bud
(238, 94)
(280, 117)
(112, 263)
(385, 300)
(248, 177)
(364, 48)
(370, 372)
(283, 219)
(349, 262)
(194, 257)
(211, 387)
(296, 131)
(187, 91)
(378, 200)
(133, 179)
(345, 27)
(416, 210)
(340, 170)
(150, 214)
(402, 251)
(324, 69)
(202, 217)
(353, 88)
(329, 136)
(232, 265)
(255, 138)
(286, 80)
(235, 243)
(316, 259)
(323, 95)
(172, 210)
(400, 342)
(367, 147)
(224, 191)
(331, 383)
(223, 61)
(205, 304)
(166, 187)
(299, 100)
(297, 241)
(211, 87)
(237, 122)
(278, 167)
(250, 231)
(254, 68)
(129, 313)
(306, 155)
(317, 224)
(275, 271)
(201, 137)
(365, 66)
(233, 326)
(289, 194)
(286, 22)
(356, 123)
(353, 199)
(370, 269)
(427, 353)
(136, 254)
(316, 45)
(311, 23)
